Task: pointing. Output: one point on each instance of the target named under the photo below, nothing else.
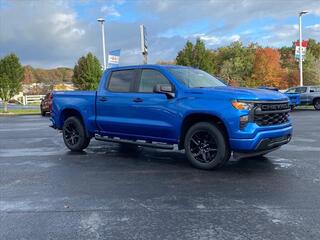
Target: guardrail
(29, 99)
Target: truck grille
(268, 114)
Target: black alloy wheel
(203, 146)
(74, 134)
(206, 146)
(317, 104)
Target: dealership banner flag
(304, 45)
(114, 58)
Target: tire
(74, 135)
(206, 146)
(316, 104)
(43, 113)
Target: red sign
(304, 43)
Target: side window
(122, 80)
(149, 79)
(301, 90)
(315, 89)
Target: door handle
(103, 99)
(137, 100)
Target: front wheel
(74, 134)
(316, 104)
(206, 146)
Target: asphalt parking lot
(111, 192)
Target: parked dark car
(46, 104)
(309, 95)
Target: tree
(311, 74)
(314, 48)
(196, 56)
(234, 63)
(287, 59)
(267, 70)
(11, 74)
(87, 72)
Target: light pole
(101, 20)
(300, 46)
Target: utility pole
(144, 43)
(101, 20)
(300, 46)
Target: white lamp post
(300, 46)
(101, 20)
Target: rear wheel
(74, 134)
(206, 146)
(316, 104)
(43, 113)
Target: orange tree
(267, 70)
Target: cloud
(315, 27)
(65, 25)
(214, 40)
(110, 11)
(49, 34)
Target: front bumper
(263, 140)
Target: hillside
(47, 76)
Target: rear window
(122, 81)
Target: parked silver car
(309, 95)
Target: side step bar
(144, 144)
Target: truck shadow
(173, 160)
(177, 159)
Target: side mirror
(311, 90)
(164, 88)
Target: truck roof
(148, 66)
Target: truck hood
(241, 93)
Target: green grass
(20, 111)
(305, 107)
(34, 104)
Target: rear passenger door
(114, 103)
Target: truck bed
(82, 101)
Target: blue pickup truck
(166, 106)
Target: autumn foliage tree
(267, 70)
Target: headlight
(242, 105)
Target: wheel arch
(315, 99)
(71, 112)
(194, 118)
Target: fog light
(244, 121)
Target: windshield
(194, 78)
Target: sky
(55, 33)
